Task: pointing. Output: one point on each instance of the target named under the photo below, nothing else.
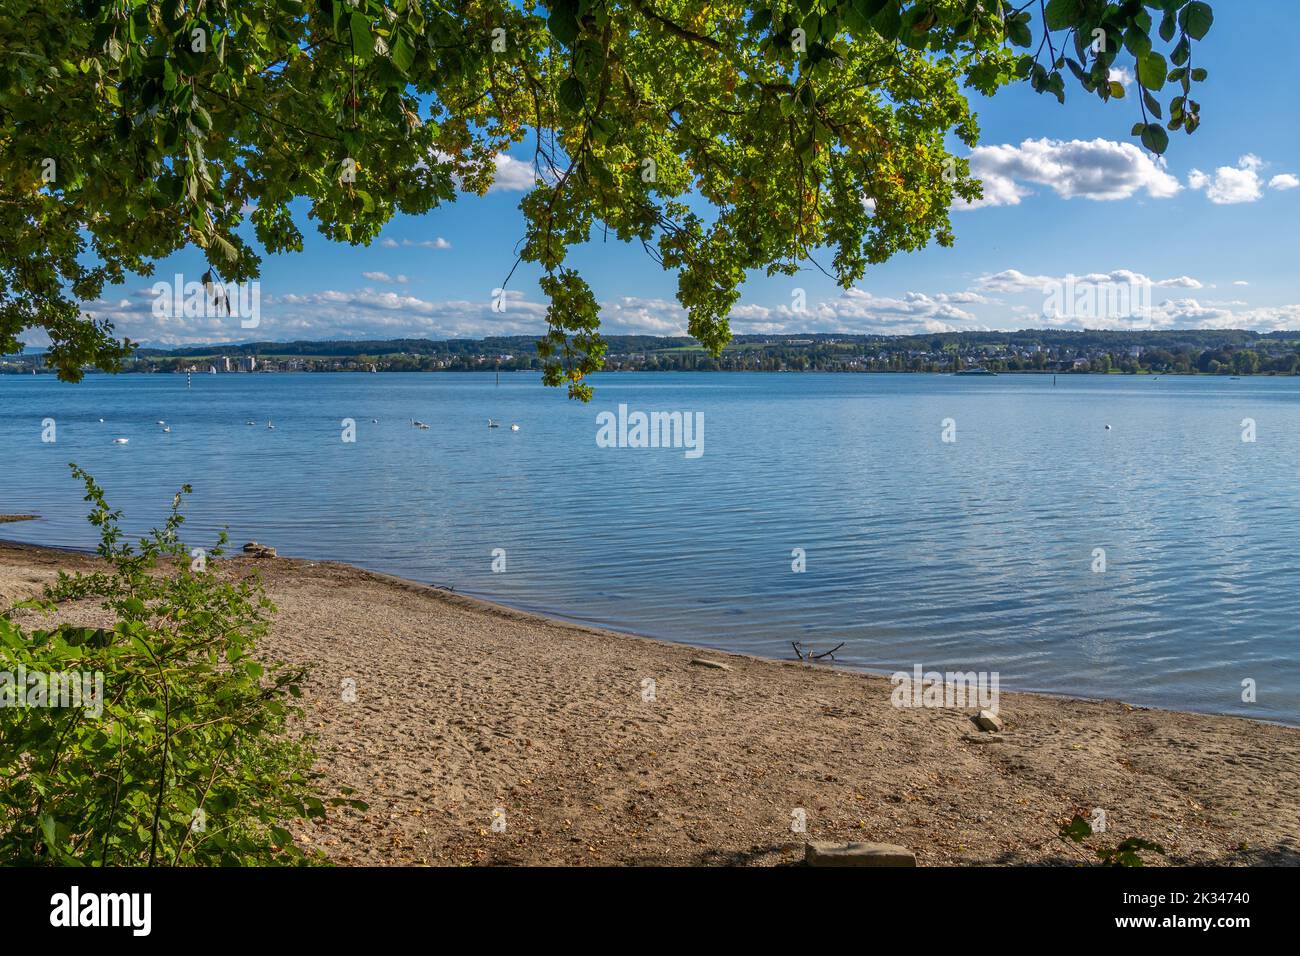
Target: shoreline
(556, 618)
(465, 706)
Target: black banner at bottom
(336, 905)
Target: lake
(983, 552)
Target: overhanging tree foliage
(724, 135)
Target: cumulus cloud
(1191, 314)
(1228, 185)
(1119, 299)
(857, 310)
(1099, 169)
(1121, 76)
(512, 175)
(1014, 281)
(438, 243)
(329, 314)
(1284, 181)
(629, 315)
(378, 313)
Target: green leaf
(1078, 829)
(1152, 104)
(1018, 32)
(1155, 138)
(403, 55)
(363, 42)
(889, 21)
(1196, 19)
(572, 95)
(563, 22)
(1168, 26)
(1152, 70)
(1063, 14)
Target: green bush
(190, 761)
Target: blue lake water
(976, 554)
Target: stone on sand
(704, 662)
(857, 854)
(987, 720)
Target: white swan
(120, 441)
(492, 424)
(514, 427)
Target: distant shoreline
(1053, 351)
(1073, 373)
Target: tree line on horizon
(1201, 351)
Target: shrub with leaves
(190, 761)
(1125, 853)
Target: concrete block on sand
(857, 854)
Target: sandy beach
(465, 709)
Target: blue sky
(1068, 192)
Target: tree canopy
(724, 135)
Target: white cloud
(1228, 185)
(629, 315)
(1179, 282)
(1241, 282)
(1119, 299)
(512, 175)
(1013, 281)
(1284, 181)
(857, 310)
(1099, 169)
(1191, 314)
(377, 313)
(328, 314)
(438, 243)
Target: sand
(465, 709)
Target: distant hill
(1170, 340)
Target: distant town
(1193, 352)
